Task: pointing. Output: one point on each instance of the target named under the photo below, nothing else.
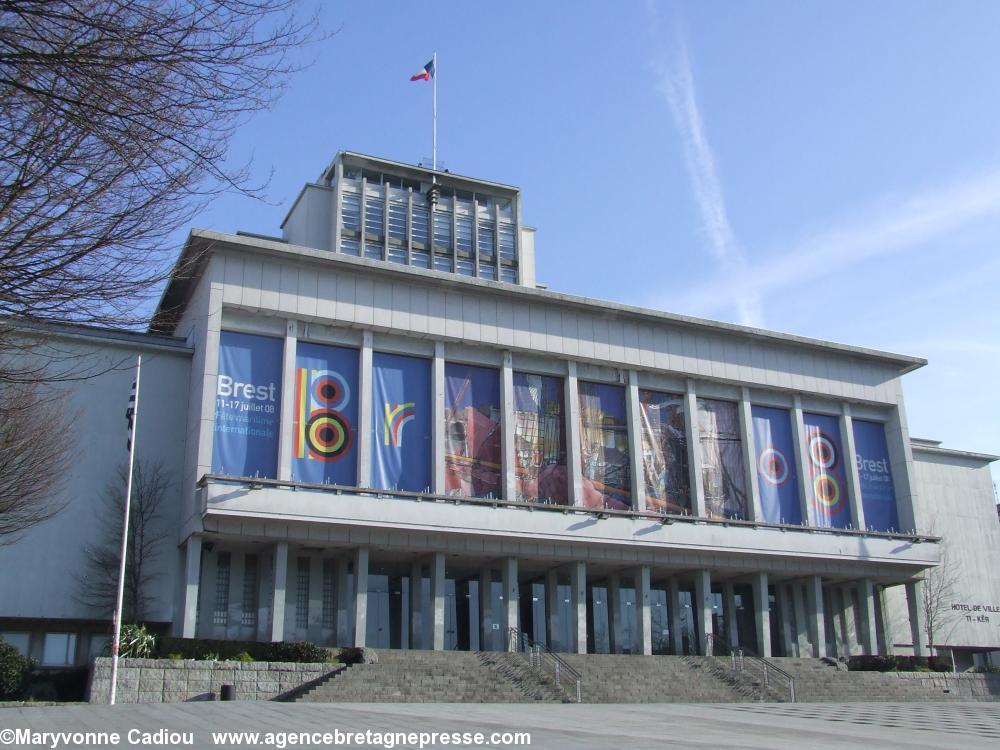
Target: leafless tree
(98, 578)
(33, 429)
(115, 123)
(941, 588)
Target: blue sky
(825, 169)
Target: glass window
(302, 593)
(350, 247)
(59, 650)
(20, 641)
(397, 254)
(420, 259)
(350, 210)
(509, 275)
(374, 215)
(539, 439)
(487, 243)
(221, 613)
(488, 271)
(442, 263)
(463, 233)
(442, 228)
(374, 249)
(397, 221)
(722, 459)
(508, 251)
(329, 600)
(421, 219)
(250, 588)
(604, 451)
(664, 452)
(465, 266)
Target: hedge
(899, 664)
(204, 648)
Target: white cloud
(676, 84)
(896, 225)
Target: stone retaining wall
(174, 681)
(974, 686)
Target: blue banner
(472, 431)
(325, 415)
(878, 494)
(775, 456)
(247, 406)
(827, 477)
(401, 419)
(607, 481)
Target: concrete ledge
(174, 681)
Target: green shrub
(14, 670)
(175, 657)
(211, 656)
(135, 643)
(203, 648)
(242, 656)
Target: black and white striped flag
(130, 418)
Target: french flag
(426, 73)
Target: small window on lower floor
(59, 650)
(20, 641)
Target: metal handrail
(540, 657)
(768, 672)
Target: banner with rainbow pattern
(827, 485)
(401, 421)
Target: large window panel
(723, 472)
(826, 474)
(325, 417)
(777, 476)
(247, 406)
(401, 419)
(878, 493)
(472, 431)
(665, 452)
(540, 439)
(604, 455)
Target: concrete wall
(41, 572)
(170, 681)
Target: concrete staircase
(616, 678)
(435, 677)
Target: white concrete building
(382, 432)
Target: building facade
(381, 431)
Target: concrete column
(192, 579)
(851, 467)
(897, 438)
(278, 598)
(866, 601)
(633, 417)
(915, 608)
(486, 615)
(801, 458)
(645, 615)
(755, 511)
(694, 452)
(817, 617)
(838, 622)
(511, 598)
(551, 608)
(676, 629)
(287, 401)
(417, 639)
(578, 600)
(438, 427)
(703, 602)
(438, 599)
(574, 464)
(762, 614)
(365, 411)
(508, 460)
(237, 571)
(614, 614)
(729, 614)
(801, 621)
(360, 610)
(850, 622)
(787, 615)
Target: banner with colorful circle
(325, 415)
(827, 485)
(777, 477)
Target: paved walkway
(910, 726)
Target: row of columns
(802, 606)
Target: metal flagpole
(434, 77)
(133, 413)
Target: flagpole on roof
(131, 415)
(434, 80)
